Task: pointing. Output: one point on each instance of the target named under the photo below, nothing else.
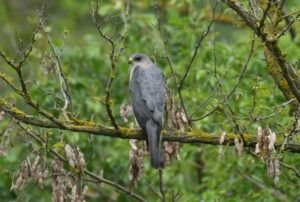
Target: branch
(113, 57)
(64, 86)
(194, 136)
(23, 92)
(281, 83)
(9, 82)
(270, 43)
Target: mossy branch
(282, 84)
(194, 136)
(270, 41)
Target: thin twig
(203, 35)
(64, 86)
(286, 28)
(295, 171)
(260, 184)
(7, 80)
(152, 188)
(161, 185)
(168, 57)
(252, 112)
(244, 68)
(113, 59)
(263, 19)
(240, 77)
(190, 63)
(205, 115)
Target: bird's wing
(152, 89)
(148, 91)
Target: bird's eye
(138, 58)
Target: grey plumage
(147, 87)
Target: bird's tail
(153, 138)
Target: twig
(260, 184)
(295, 171)
(9, 61)
(244, 69)
(263, 19)
(161, 185)
(252, 112)
(270, 44)
(7, 80)
(23, 92)
(286, 28)
(293, 130)
(64, 86)
(205, 115)
(113, 58)
(226, 97)
(203, 35)
(168, 57)
(153, 189)
(114, 184)
(216, 88)
(190, 63)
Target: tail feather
(153, 138)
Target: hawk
(148, 91)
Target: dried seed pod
(277, 171)
(48, 64)
(181, 120)
(23, 175)
(272, 140)
(75, 157)
(171, 149)
(35, 163)
(259, 140)
(239, 145)
(2, 115)
(40, 179)
(59, 189)
(220, 147)
(262, 145)
(136, 168)
(70, 154)
(80, 163)
(265, 146)
(176, 118)
(125, 112)
(45, 173)
(271, 170)
(74, 194)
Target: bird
(148, 93)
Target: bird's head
(138, 59)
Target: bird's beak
(130, 61)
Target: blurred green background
(199, 175)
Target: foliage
(85, 58)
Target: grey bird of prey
(148, 91)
